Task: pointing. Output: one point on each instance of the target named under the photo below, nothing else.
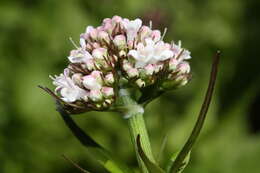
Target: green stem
(137, 126)
(134, 114)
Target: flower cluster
(120, 52)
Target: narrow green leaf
(178, 163)
(152, 167)
(182, 166)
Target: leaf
(75, 164)
(183, 165)
(102, 155)
(152, 167)
(178, 162)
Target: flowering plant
(121, 66)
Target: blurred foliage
(34, 44)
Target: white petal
(134, 54)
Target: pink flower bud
(132, 72)
(92, 32)
(90, 64)
(126, 65)
(91, 83)
(109, 78)
(120, 41)
(103, 36)
(116, 19)
(108, 92)
(95, 95)
(99, 53)
(107, 26)
(156, 35)
(145, 32)
(173, 64)
(149, 69)
(184, 67)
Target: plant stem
(137, 127)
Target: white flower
(132, 27)
(185, 54)
(150, 53)
(67, 88)
(79, 56)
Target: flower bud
(116, 19)
(149, 69)
(99, 53)
(120, 41)
(107, 92)
(109, 79)
(107, 26)
(90, 64)
(132, 72)
(92, 32)
(95, 95)
(173, 64)
(145, 32)
(156, 35)
(140, 83)
(183, 68)
(126, 65)
(103, 36)
(77, 78)
(91, 83)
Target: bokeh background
(34, 44)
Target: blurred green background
(34, 44)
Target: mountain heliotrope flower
(121, 53)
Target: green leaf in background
(152, 167)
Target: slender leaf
(152, 167)
(178, 163)
(101, 154)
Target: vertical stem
(134, 114)
(137, 126)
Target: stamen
(150, 24)
(164, 33)
(74, 44)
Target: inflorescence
(120, 53)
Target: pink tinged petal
(108, 92)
